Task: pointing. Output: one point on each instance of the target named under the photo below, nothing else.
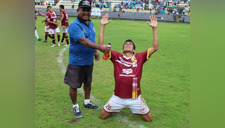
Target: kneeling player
(127, 74)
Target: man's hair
(129, 40)
(61, 6)
(49, 7)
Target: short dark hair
(49, 7)
(129, 40)
(61, 6)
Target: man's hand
(96, 55)
(103, 48)
(105, 20)
(153, 20)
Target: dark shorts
(76, 75)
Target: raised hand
(105, 20)
(153, 20)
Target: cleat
(91, 106)
(76, 112)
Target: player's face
(84, 13)
(128, 47)
(50, 10)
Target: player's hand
(105, 20)
(96, 56)
(153, 20)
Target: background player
(64, 24)
(46, 25)
(127, 74)
(36, 13)
(53, 26)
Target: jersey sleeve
(144, 56)
(113, 55)
(75, 31)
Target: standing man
(53, 26)
(127, 74)
(65, 24)
(82, 50)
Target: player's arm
(104, 21)
(48, 20)
(40, 12)
(155, 44)
(60, 19)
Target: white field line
(62, 67)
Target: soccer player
(36, 13)
(53, 26)
(65, 24)
(82, 50)
(46, 25)
(127, 74)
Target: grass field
(165, 79)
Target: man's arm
(60, 19)
(155, 44)
(104, 21)
(92, 45)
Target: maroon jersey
(127, 73)
(65, 18)
(52, 17)
(35, 15)
(46, 17)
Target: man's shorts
(46, 28)
(53, 31)
(64, 29)
(137, 105)
(76, 75)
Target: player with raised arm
(64, 24)
(127, 74)
(53, 26)
(36, 13)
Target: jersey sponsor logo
(127, 71)
(126, 63)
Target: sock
(67, 41)
(46, 36)
(49, 36)
(75, 105)
(86, 101)
(58, 38)
(53, 41)
(62, 39)
(36, 34)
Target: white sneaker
(53, 45)
(59, 43)
(66, 45)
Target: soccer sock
(49, 36)
(67, 40)
(53, 41)
(63, 38)
(75, 105)
(86, 101)
(58, 38)
(36, 34)
(46, 36)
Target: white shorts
(64, 29)
(46, 28)
(137, 105)
(53, 31)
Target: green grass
(165, 79)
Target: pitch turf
(164, 84)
